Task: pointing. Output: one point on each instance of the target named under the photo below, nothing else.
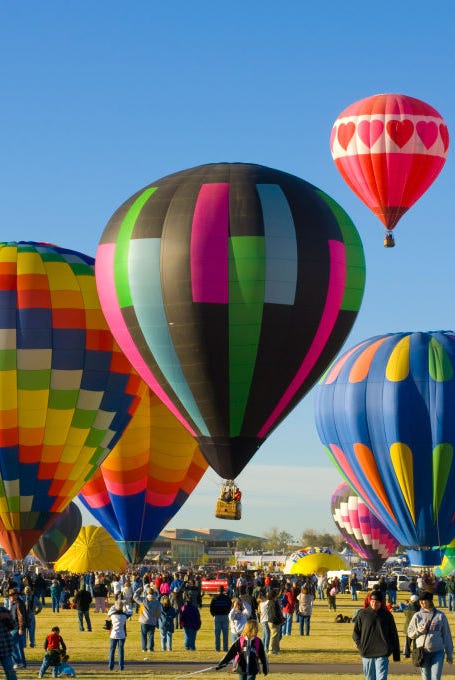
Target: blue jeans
(189, 638)
(31, 629)
(451, 601)
(81, 616)
(221, 623)
(375, 669)
(56, 603)
(354, 593)
(321, 595)
(432, 668)
(7, 663)
(121, 653)
(266, 636)
(45, 665)
(287, 625)
(304, 621)
(442, 600)
(18, 648)
(166, 640)
(148, 635)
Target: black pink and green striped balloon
(230, 287)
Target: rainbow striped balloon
(146, 479)
(66, 390)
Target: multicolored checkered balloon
(66, 390)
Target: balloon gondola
(228, 505)
(230, 287)
(389, 149)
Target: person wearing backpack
(248, 654)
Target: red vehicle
(211, 583)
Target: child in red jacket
(55, 650)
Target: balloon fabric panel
(65, 396)
(59, 536)
(400, 413)
(229, 287)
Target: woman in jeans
(119, 617)
(263, 614)
(305, 602)
(430, 629)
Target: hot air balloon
(146, 479)
(93, 550)
(389, 149)
(366, 535)
(313, 560)
(230, 287)
(58, 538)
(384, 410)
(66, 391)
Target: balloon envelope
(93, 550)
(389, 148)
(360, 528)
(146, 479)
(230, 287)
(384, 410)
(313, 560)
(58, 538)
(66, 390)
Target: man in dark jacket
(82, 601)
(220, 606)
(376, 637)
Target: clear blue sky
(100, 98)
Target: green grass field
(328, 642)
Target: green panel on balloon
(439, 364)
(442, 462)
(63, 399)
(355, 264)
(121, 259)
(8, 360)
(34, 380)
(246, 302)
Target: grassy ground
(328, 643)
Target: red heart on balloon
(400, 131)
(428, 132)
(370, 131)
(345, 134)
(444, 132)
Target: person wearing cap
(412, 607)
(376, 637)
(430, 629)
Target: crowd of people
(253, 604)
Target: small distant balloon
(366, 535)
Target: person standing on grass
(305, 606)
(119, 614)
(220, 606)
(19, 616)
(190, 620)
(6, 643)
(55, 590)
(376, 637)
(166, 623)
(430, 629)
(82, 601)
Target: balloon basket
(228, 509)
(389, 241)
